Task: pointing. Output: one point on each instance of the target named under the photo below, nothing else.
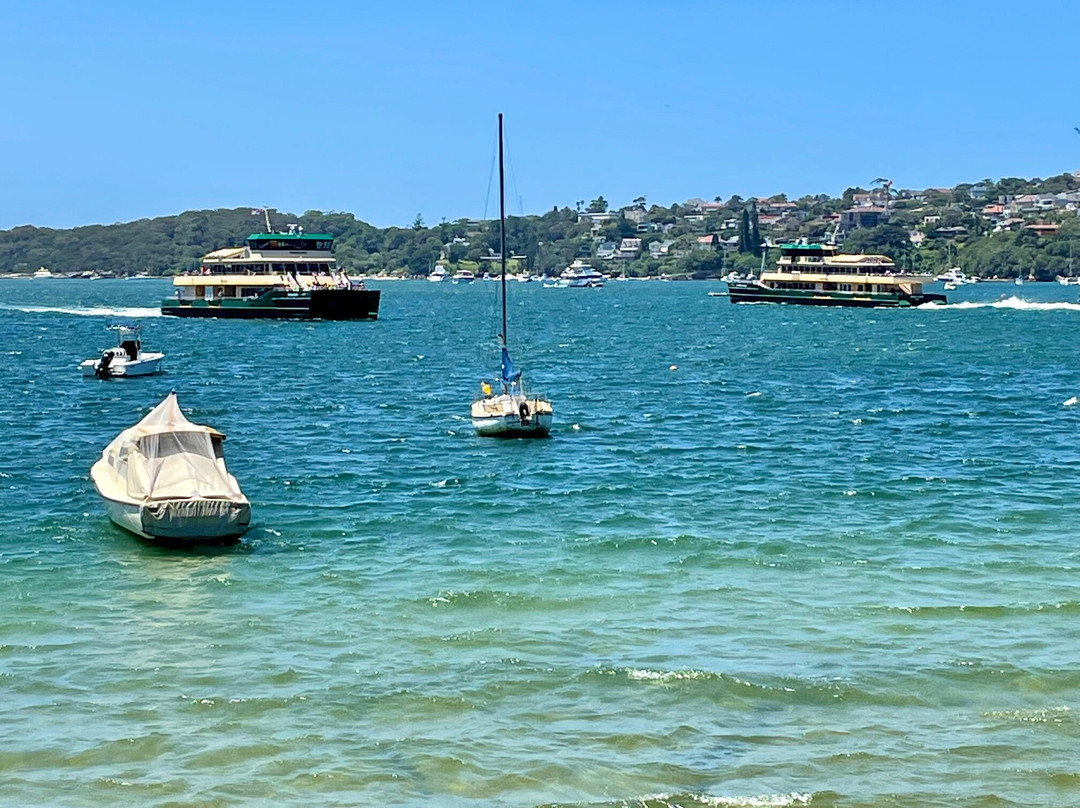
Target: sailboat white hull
(511, 426)
(512, 416)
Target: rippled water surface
(771, 556)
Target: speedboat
(164, 479)
(464, 276)
(126, 359)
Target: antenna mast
(502, 229)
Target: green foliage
(598, 205)
(744, 232)
(848, 199)
(550, 242)
(701, 264)
(885, 239)
(755, 234)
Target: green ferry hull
(319, 304)
(756, 293)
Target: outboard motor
(102, 370)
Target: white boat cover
(165, 456)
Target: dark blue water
(771, 556)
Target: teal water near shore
(831, 557)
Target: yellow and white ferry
(819, 275)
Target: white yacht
(580, 274)
(438, 274)
(463, 276)
(953, 275)
(43, 273)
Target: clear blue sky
(117, 111)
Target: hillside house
(629, 248)
(870, 216)
(606, 250)
(951, 232)
(659, 248)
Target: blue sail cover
(508, 372)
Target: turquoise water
(771, 556)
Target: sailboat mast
(502, 229)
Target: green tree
(744, 232)
(885, 239)
(755, 234)
(848, 198)
(598, 205)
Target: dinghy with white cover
(165, 479)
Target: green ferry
(288, 275)
(819, 275)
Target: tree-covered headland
(988, 229)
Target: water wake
(1007, 303)
(92, 311)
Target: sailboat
(510, 412)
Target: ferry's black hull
(756, 293)
(319, 304)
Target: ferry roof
(814, 247)
(320, 236)
(226, 252)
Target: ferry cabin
(295, 262)
(818, 274)
(797, 260)
(822, 268)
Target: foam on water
(95, 311)
(1011, 302)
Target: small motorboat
(126, 359)
(164, 479)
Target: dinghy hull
(181, 521)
